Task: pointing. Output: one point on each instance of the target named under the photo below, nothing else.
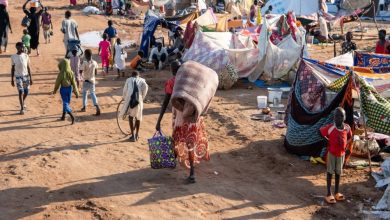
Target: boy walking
(134, 93)
(88, 70)
(22, 74)
(26, 41)
(338, 135)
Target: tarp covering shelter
(151, 22)
(299, 7)
(217, 49)
(374, 68)
(273, 58)
(310, 108)
(184, 19)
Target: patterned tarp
(375, 107)
(379, 63)
(217, 49)
(330, 72)
(304, 121)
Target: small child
(339, 135)
(75, 65)
(136, 62)
(26, 41)
(88, 70)
(348, 45)
(105, 52)
(134, 84)
(66, 81)
(119, 57)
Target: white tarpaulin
(352, 5)
(159, 3)
(93, 38)
(206, 18)
(344, 59)
(300, 7)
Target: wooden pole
(376, 24)
(364, 124)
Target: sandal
(132, 139)
(191, 179)
(339, 197)
(330, 199)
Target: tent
(310, 107)
(271, 58)
(222, 51)
(184, 19)
(373, 68)
(300, 7)
(152, 20)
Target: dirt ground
(52, 170)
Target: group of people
(382, 46)
(75, 72)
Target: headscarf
(65, 69)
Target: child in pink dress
(105, 52)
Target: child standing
(88, 70)
(22, 74)
(105, 52)
(119, 58)
(348, 45)
(66, 80)
(338, 135)
(134, 86)
(75, 65)
(26, 40)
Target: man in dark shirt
(110, 31)
(348, 45)
(112, 34)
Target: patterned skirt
(190, 137)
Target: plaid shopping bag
(161, 151)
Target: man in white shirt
(69, 29)
(158, 55)
(22, 74)
(88, 70)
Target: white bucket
(261, 102)
(274, 93)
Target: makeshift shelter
(300, 7)
(276, 54)
(280, 45)
(184, 19)
(152, 20)
(224, 51)
(373, 68)
(310, 107)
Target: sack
(51, 33)
(134, 99)
(360, 149)
(26, 21)
(162, 154)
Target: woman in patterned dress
(190, 139)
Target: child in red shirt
(382, 46)
(338, 135)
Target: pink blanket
(194, 88)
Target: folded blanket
(194, 88)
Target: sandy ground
(52, 170)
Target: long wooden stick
(364, 124)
